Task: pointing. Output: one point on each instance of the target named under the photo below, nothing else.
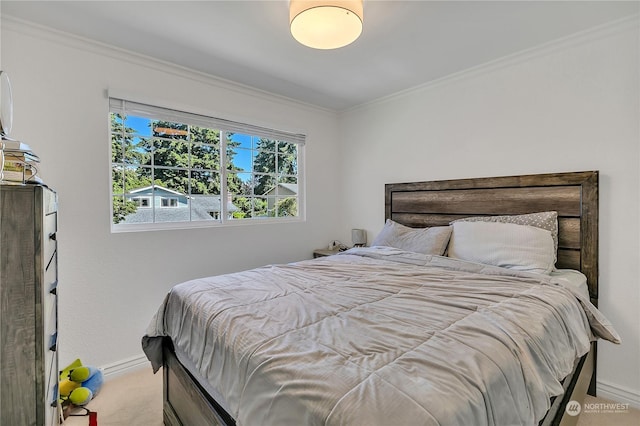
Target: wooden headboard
(573, 195)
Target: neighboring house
(173, 206)
(280, 191)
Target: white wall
(571, 106)
(112, 284)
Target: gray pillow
(543, 220)
(432, 240)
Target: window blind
(125, 107)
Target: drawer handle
(54, 403)
(53, 342)
(52, 236)
(54, 287)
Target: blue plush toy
(90, 381)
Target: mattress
(379, 336)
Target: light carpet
(135, 399)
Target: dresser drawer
(49, 201)
(51, 268)
(52, 414)
(52, 377)
(51, 265)
(50, 343)
(50, 318)
(51, 405)
(49, 237)
(50, 289)
(51, 369)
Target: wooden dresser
(28, 306)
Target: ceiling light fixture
(325, 24)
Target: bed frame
(573, 195)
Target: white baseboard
(618, 394)
(125, 366)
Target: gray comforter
(379, 337)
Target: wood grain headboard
(573, 195)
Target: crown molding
(31, 29)
(596, 33)
(70, 40)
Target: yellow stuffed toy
(79, 384)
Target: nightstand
(324, 252)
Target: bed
(327, 364)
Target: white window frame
(224, 126)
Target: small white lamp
(359, 237)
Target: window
(176, 169)
(141, 201)
(169, 202)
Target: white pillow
(519, 247)
(544, 220)
(419, 240)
